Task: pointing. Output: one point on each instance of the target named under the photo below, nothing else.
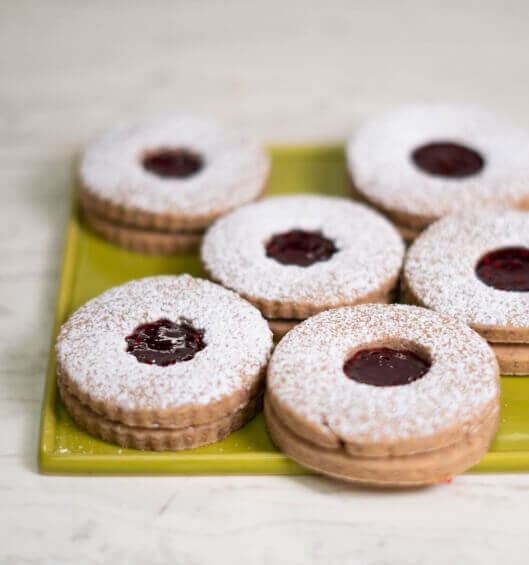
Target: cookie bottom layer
(279, 310)
(173, 221)
(143, 240)
(402, 471)
(281, 327)
(513, 358)
(158, 439)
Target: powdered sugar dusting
(91, 346)
(440, 267)
(370, 251)
(306, 373)
(379, 159)
(235, 166)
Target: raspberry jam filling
(383, 366)
(447, 159)
(299, 247)
(505, 269)
(172, 163)
(164, 342)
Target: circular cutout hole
(165, 342)
(172, 163)
(299, 247)
(384, 366)
(505, 269)
(447, 159)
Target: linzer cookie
(154, 185)
(424, 161)
(383, 394)
(475, 266)
(165, 362)
(294, 256)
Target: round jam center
(164, 342)
(505, 269)
(383, 366)
(299, 247)
(172, 163)
(448, 159)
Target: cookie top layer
(362, 256)
(310, 390)
(385, 155)
(92, 346)
(120, 166)
(440, 268)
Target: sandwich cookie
(165, 362)
(423, 161)
(154, 185)
(383, 394)
(475, 266)
(294, 256)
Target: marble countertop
(289, 71)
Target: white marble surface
(289, 71)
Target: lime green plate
(92, 265)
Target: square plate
(91, 265)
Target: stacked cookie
(295, 256)
(383, 394)
(360, 389)
(166, 362)
(475, 266)
(154, 185)
(424, 161)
